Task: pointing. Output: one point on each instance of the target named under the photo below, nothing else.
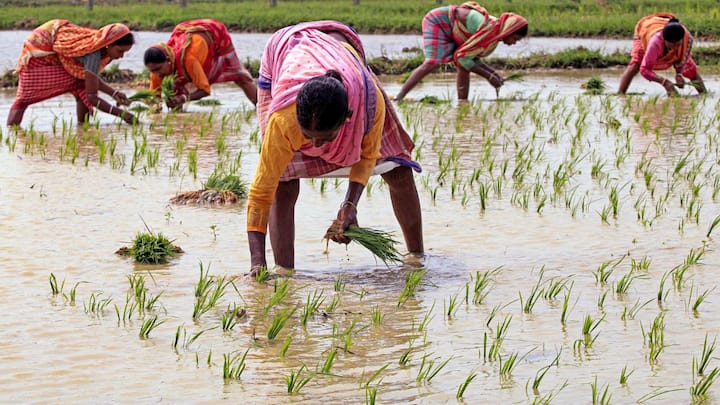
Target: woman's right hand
(669, 87)
(177, 101)
(496, 80)
(128, 118)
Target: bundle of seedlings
(167, 87)
(380, 243)
(594, 86)
(219, 189)
(149, 248)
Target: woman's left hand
(346, 216)
(177, 101)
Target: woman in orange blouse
(199, 53)
(322, 113)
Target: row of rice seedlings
(96, 305)
(208, 291)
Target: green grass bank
(577, 18)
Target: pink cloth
(298, 53)
(648, 59)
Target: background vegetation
(584, 18)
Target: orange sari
(651, 24)
(60, 42)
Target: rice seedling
(285, 346)
(312, 304)
(296, 380)
(534, 296)
(678, 275)
(493, 352)
(555, 286)
(463, 386)
(339, 284)
(482, 284)
(452, 307)
(540, 374)
(280, 292)
(623, 284)
(566, 304)
(412, 281)
(630, 313)
(699, 389)
(625, 375)
(654, 339)
(329, 360)
(426, 318)
(330, 307)
(601, 300)
(167, 87)
(185, 342)
(377, 316)
(602, 274)
(655, 393)
(662, 292)
(54, 285)
(231, 317)
(694, 256)
(149, 325)
(370, 395)
(262, 274)
(716, 220)
(146, 96)
(279, 321)
(234, 365)
(700, 366)
(95, 305)
(428, 368)
(128, 310)
(699, 298)
(406, 356)
(70, 297)
(594, 86)
(380, 243)
(600, 395)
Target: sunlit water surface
(549, 158)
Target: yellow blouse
(282, 138)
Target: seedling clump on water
(150, 248)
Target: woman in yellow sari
(59, 57)
(464, 34)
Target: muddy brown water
(68, 218)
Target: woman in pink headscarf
(322, 113)
(464, 34)
(60, 57)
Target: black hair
(154, 55)
(322, 102)
(127, 39)
(522, 31)
(673, 31)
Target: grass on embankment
(585, 18)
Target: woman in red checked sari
(661, 42)
(464, 34)
(199, 53)
(59, 57)
(322, 113)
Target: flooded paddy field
(570, 241)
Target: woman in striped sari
(322, 112)
(59, 57)
(661, 42)
(464, 34)
(199, 53)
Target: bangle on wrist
(186, 98)
(114, 93)
(664, 80)
(350, 203)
